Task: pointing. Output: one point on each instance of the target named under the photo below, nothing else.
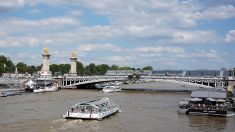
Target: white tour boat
(94, 109)
(45, 83)
(112, 88)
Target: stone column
(45, 61)
(73, 69)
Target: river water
(140, 112)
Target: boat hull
(39, 90)
(51, 89)
(207, 112)
(111, 90)
(91, 116)
(182, 111)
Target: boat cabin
(208, 102)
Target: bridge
(75, 81)
(204, 82)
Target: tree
(102, 69)
(148, 68)
(80, 68)
(91, 69)
(64, 68)
(54, 68)
(32, 69)
(21, 67)
(125, 68)
(114, 67)
(6, 65)
(39, 67)
(234, 71)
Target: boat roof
(183, 102)
(30, 82)
(208, 94)
(93, 102)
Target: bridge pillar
(45, 61)
(73, 67)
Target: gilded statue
(74, 55)
(46, 51)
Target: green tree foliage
(90, 69)
(102, 69)
(21, 67)
(39, 67)
(64, 68)
(32, 69)
(148, 68)
(125, 68)
(234, 71)
(54, 68)
(80, 68)
(114, 67)
(6, 65)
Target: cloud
(211, 54)
(18, 42)
(49, 22)
(160, 49)
(218, 12)
(200, 54)
(21, 33)
(75, 12)
(98, 47)
(195, 37)
(230, 36)
(9, 5)
(119, 59)
(162, 21)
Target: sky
(165, 34)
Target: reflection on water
(141, 111)
(207, 123)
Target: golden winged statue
(46, 51)
(74, 55)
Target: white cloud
(211, 54)
(49, 22)
(98, 47)
(129, 20)
(218, 12)
(201, 54)
(18, 41)
(195, 37)
(119, 59)
(75, 12)
(230, 36)
(32, 32)
(9, 5)
(160, 49)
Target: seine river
(140, 112)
